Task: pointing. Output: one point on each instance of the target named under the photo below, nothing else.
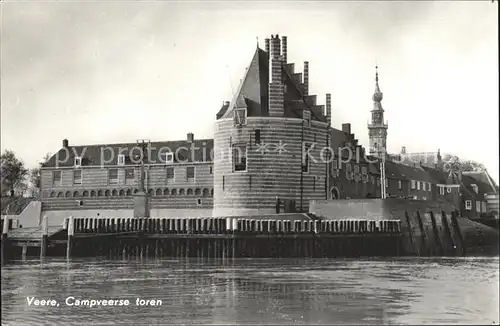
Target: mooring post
(5, 240)
(71, 233)
(45, 236)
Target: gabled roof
(253, 92)
(427, 159)
(483, 177)
(107, 154)
(437, 176)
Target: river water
(253, 291)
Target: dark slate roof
(253, 92)
(484, 178)
(107, 154)
(483, 187)
(467, 189)
(437, 176)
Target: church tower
(377, 129)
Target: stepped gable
(253, 92)
(91, 154)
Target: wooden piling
(71, 233)
(5, 240)
(45, 236)
(425, 247)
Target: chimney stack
(276, 88)
(306, 78)
(284, 48)
(403, 150)
(65, 143)
(329, 109)
(190, 137)
(267, 45)
(346, 128)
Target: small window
(418, 185)
(198, 201)
(113, 176)
(448, 190)
(211, 170)
(167, 158)
(121, 159)
(356, 168)
(129, 174)
(56, 177)
(78, 161)
(240, 116)
(170, 173)
(386, 182)
(378, 181)
(468, 205)
(412, 184)
(77, 177)
(307, 117)
(441, 190)
(257, 136)
(190, 173)
(364, 170)
(400, 184)
(478, 206)
(348, 170)
(239, 157)
(305, 158)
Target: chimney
(190, 137)
(306, 78)
(329, 109)
(267, 45)
(276, 88)
(403, 150)
(284, 48)
(65, 143)
(346, 127)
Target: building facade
(274, 150)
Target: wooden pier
(211, 238)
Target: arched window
(206, 192)
(114, 193)
(122, 192)
(174, 192)
(151, 192)
(85, 193)
(76, 194)
(159, 192)
(100, 193)
(129, 192)
(68, 194)
(92, 193)
(166, 191)
(197, 192)
(189, 192)
(107, 193)
(60, 194)
(181, 192)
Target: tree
(13, 173)
(452, 163)
(35, 176)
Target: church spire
(377, 95)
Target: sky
(118, 71)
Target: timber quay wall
(219, 238)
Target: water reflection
(255, 291)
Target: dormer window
(167, 158)
(78, 161)
(240, 116)
(121, 159)
(475, 188)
